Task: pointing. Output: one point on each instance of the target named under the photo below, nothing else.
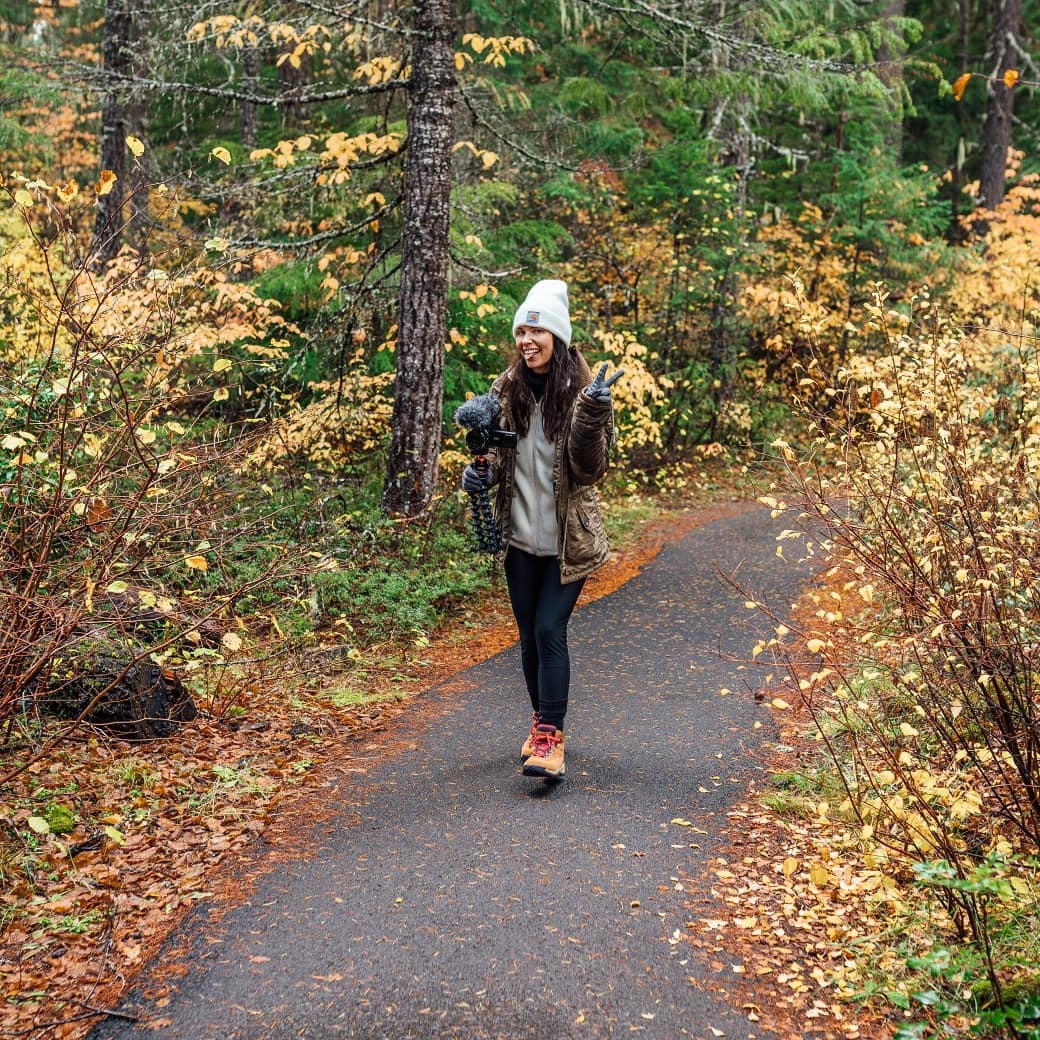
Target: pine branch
(760, 53)
(509, 142)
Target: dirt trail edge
(447, 896)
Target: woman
(546, 506)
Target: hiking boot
(528, 749)
(547, 759)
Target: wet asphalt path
(462, 900)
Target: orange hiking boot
(547, 759)
(528, 749)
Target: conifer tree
(1003, 56)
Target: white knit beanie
(546, 307)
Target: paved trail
(458, 899)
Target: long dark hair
(566, 377)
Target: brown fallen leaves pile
(84, 908)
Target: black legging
(542, 607)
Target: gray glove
(599, 389)
(475, 480)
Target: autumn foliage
(191, 433)
(917, 481)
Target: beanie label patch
(533, 316)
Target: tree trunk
(250, 80)
(415, 436)
(891, 74)
(996, 131)
(140, 166)
(116, 57)
(956, 230)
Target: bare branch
(96, 77)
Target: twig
(90, 1012)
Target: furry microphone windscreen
(479, 413)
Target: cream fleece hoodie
(533, 518)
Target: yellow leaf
(68, 191)
(39, 825)
(106, 182)
(814, 646)
(790, 866)
(959, 84)
(135, 144)
(222, 154)
(1011, 78)
(117, 587)
(146, 436)
(488, 159)
(221, 364)
(115, 835)
(231, 641)
(779, 702)
(197, 563)
(818, 875)
(23, 198)
(221, 394)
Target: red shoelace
(544, 739)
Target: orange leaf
(959, 84)
(1010, 78)
(98, 512)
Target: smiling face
(535, 346)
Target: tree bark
(138, 178)
(412, 467)
(891, 74)
(996, 131)
(956, 230)
(117, 61)
(247, 124)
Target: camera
(480, 417)
(481, 439)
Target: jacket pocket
(585, 540)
